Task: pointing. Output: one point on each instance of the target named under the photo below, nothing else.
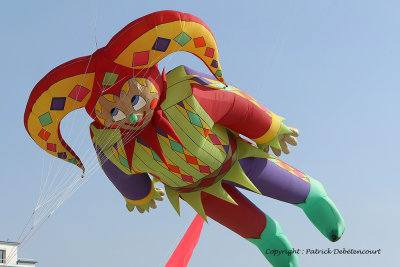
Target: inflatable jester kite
(183, 128)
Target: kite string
(71, 188)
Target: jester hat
(132, 52)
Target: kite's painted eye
(117, 114)
(138, 102)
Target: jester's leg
(248, 221)
(278, 180)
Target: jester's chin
(137, 124)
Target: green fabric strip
(178, 87)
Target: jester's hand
(158, 195)
(284, 139)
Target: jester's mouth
(140, 123)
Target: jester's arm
(246, 116)
(137, 189)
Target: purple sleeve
(133, 187)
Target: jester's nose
(133, 118)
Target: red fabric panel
(233, 111)
(184, 250)
(245, 219)
(137, 28)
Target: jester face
(132, 109)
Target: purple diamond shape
(214, 64)
(62, 155)
(181, 104)
(57, 103)
(161, 44)
(226, 148)
(161, 132)
(141, 141)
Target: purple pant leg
(275, 182)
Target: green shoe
(275, 246)
(322, 212)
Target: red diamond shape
(199, 42)
(140, 58)
(187, 178)
(206, 132)
(209, 52)
(44, 134)
(79, 93)
(191, 159)
(173, 168)
(51, 147)
(214, 139)
(204, 169)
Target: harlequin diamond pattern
(120, 155)
(194, 118)
(184, 154)
(201, 126)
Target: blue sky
(331, 68)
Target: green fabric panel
(105, 138)
(272, 238)
(178, 87)
(154, 167)
(178, 161)
(245, 150)
(194, 141)
(192, 101)
(173, 198)
(176, 75)
(221, 132)
(322, 212)
(194, 200)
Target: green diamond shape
(194, 119)
(123, 161)
(109, 78)
(176, 146)
(182, 38)
(45, 119)
(155, 156)
(218, 73)
(73, 160)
